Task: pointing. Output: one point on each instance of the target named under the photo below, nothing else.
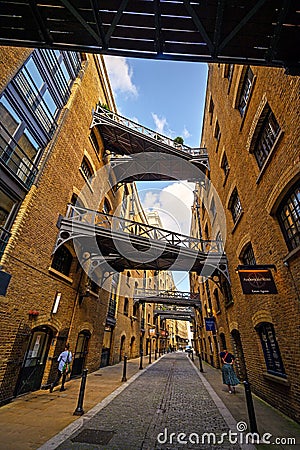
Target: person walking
(64, 361)
(228, 374)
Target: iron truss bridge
(127, 244)
(257, 32)
(156, 156)
(176, 313)
(176, 298)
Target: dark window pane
(266, 138)
(62, 260)
(271, 350)
(245, 91)
(289, 217)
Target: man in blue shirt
(64, 361)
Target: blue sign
(4, 282)
(210, 324)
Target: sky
(167, 97)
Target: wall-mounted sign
(210, 324)
(4, 282)
(257, 281)
(164, 333)
(152, 331)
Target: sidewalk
(268, 419)
(31, 420)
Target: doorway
(32, 370)
(81, 352)
(239, 353)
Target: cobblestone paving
(167, 398)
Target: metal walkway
(127, 244)
(257, 32)
(148, 155)
(163, 297)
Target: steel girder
(257, 32)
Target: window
(62, 260)
(8, 207)
(94, 141)
(245, 91)
(271, 350)
(289, 217)
(29, 108)
(217, 300)
(235, 205)
(225, 165)
(126, 306)
(228, 72)
(211, 110)
(18, 147)
(106, 207)
(248, 257)
(86, 169)
(223, 341)
(226, 290)
(135, 309)
(217, 133)
(266, 137)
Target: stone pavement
(168, 396)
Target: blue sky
(167, 97)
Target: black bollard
(200, 362)
(124, 368)
(250, 407)
(141, 359)
(79, 410)
(192, 353)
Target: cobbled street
(166, 400)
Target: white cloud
(120, 75)
(160, 123)
(173, 203)
(186, 134)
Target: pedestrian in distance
(64, 360)
(228, 374)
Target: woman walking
(228, 373)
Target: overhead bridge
(257, 32)
(166, 297)
(127, 244)
(175, 314)
(147, 155)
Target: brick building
(252, 203)
(49, 159)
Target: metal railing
(147, 132)
(144, 293)
(15, 158)
(120, 225)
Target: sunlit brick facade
(251, 132)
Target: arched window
(62, 260)
(126, 306)
(289, 217)
(217, 300)
(247, 256)
(235, 205)
(223, 341)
